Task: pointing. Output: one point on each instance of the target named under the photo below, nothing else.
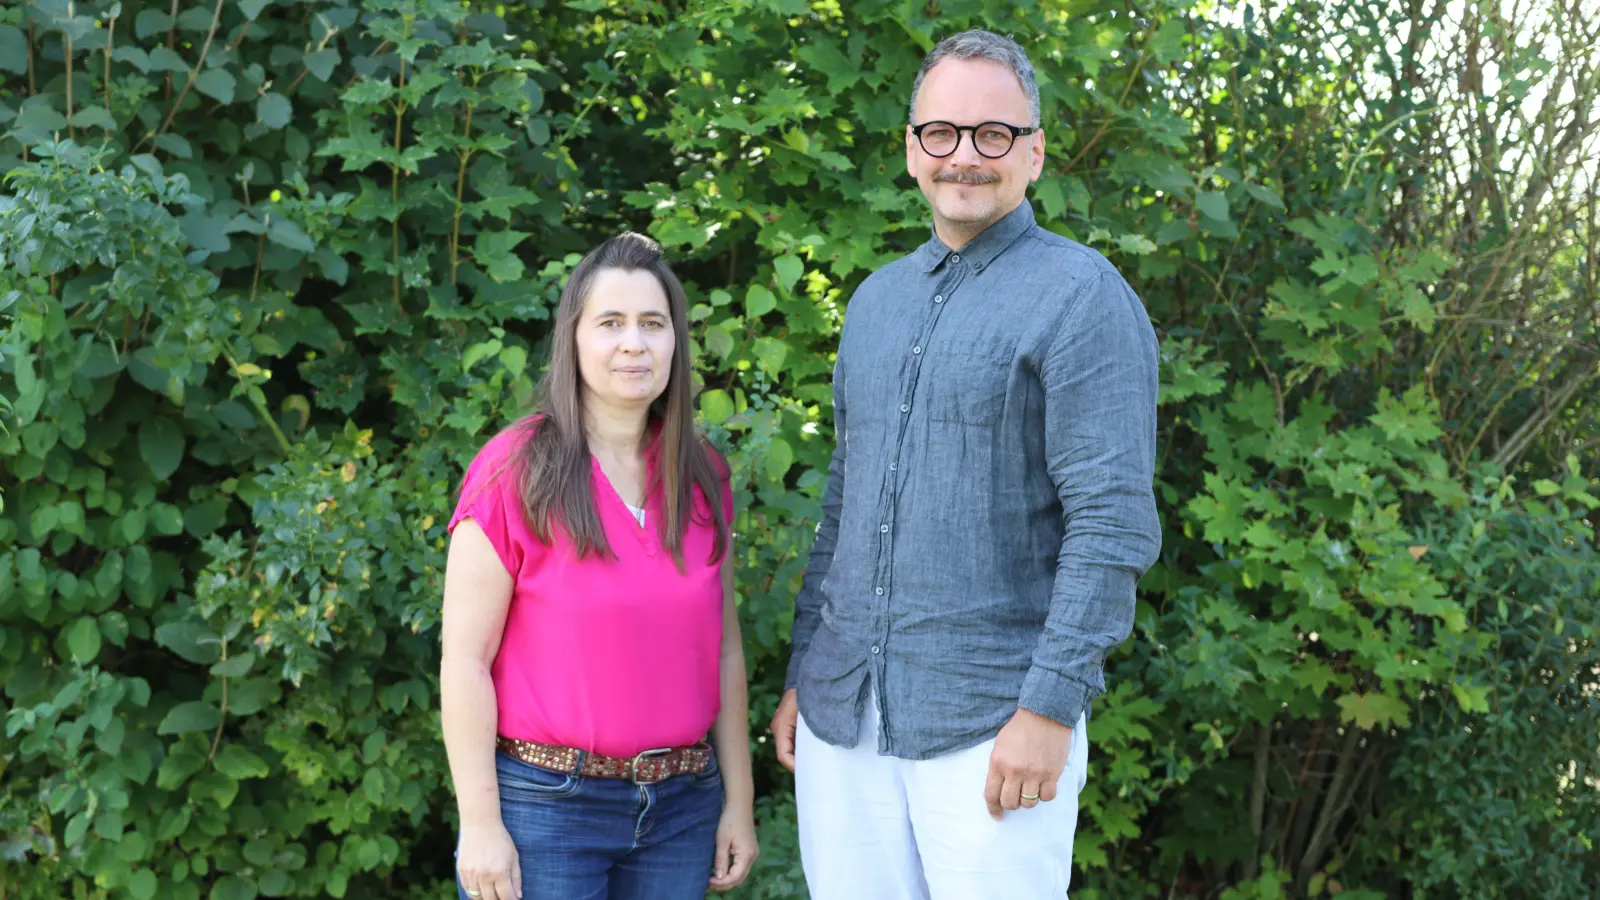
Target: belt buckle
(633, 765)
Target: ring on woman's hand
(473, 893)
(1030, 796)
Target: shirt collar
(981, 250)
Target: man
(989, 510)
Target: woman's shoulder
(500, 451)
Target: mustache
(966, 177)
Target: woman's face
(625, 340)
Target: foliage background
(272, 269)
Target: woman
(590, 638)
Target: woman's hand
(486, 862)
(736, 847)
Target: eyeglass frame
(1016, 132)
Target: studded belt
(648, 767)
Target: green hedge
(272, 270)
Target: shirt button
(876, 650)
(938, 298)
(894, 467)
(884, 529)
(956, 258)
(916, 349)
(905, 407)
(880, 592)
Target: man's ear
(911, 152)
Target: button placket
(884, 568)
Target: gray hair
(980, 44)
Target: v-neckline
(645, 535)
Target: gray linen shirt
(990, 504)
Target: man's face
(968, 191)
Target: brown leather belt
(648, 767)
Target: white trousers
(879, 828)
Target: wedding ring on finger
(473, 893)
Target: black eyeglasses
(991, 139)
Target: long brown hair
(556, 467)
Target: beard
(972, 210)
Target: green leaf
(771, 353)
(1136, 244)
(41, 116)
(1374, 710)
(716, 406)
(133, 847)
(195, 18)
(234, 887)
(133, 524)
(137, 565)
(200, 519)
(322, 63)
(196, 715)
(143, 884)
(1546, 488)
(13, 50)
(1471, 698)
(218, 84)
(161, 446)
(1265, 195)
(276, 883)
(150, 21)
(495, 253)
(285, 233)
(252, 695)
(180, 147)
(1363, 269)
(515, 359)
(759, 301)
(133, 55)
(252, 8)
(789, 269)
(237, 762)
(93, 117)
(1213, 204)
(479, 352)
(780, 456)
(83, 639)
(274, 110)
(77, 827)
(1047, 191)
(719, 341)
(163, 59)
(194, 641)
(166, 519)
(234, 666)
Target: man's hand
(784, 723)
(1028, 758)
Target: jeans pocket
(518, 779)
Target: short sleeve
(490, 496)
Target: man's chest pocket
(968, 382)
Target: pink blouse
(609, 655)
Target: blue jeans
(607, 838)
